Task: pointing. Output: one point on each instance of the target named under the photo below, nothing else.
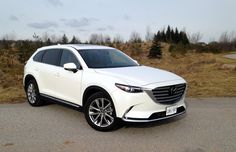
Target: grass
(207, 74)
(11, 73)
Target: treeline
(179, 40)
(171, 35)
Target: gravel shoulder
(208, 126)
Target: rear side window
(38, 56)
(51, 56)
(68, 57)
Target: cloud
(82, 30)
(75, 23)
(55, 2)
(43, 25)
(13, 18)
(107, 28)
(127, 17)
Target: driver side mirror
(70, 67)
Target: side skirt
(61, 102)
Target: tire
(32, 94)
(100, 112)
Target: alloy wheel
(101, 112)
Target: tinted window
(51, 56)
(68, 57)
(106, 58)
(38, 56)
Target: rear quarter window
(38, 56)
(51, 56)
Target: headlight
(127, 88)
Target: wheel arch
(91, 90)
(28, 77)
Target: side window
(68, 57)
(38, 56)
(51, 56)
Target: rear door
(49, 71)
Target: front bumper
(156, 116)
(140, 107)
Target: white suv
(107, 84)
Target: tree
(136, 49)
(155, 51)
(45, 37)
(224, 38)
(118, 39)
(195, 37)
(96, 39)
(168, 34)
(149, 35)
(163, 36)
(183, 38)
(64, 39)
(176, 36)
(74, 40)
(135, 37)
(48, 42)
(107, 40)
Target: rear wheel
(32, 94)
(100, 112)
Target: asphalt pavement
(231, 56)
(208, 126)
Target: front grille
(169, 94)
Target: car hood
(139, 75)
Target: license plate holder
(171, 110)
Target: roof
(79, 46)
(87, 46)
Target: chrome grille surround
(169, 94)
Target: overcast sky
(83, 17)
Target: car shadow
(123, 124)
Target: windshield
(106, 58)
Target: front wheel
(32, 93)
(100, 112)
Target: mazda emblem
(172, 90)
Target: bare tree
(93, 39)
(45, 36)
(118, 39)
(135, 37)
(224, 37)
(96, 39)
(149, 35)
(107, 39)
(9, 36)
(195, 37)
(233, 37)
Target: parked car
(106, 83)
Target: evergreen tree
(155, 51)
(183, 38)
(172, 36)
(176, 36)
(64, 39)
(74, 40)
(168, 34)
(48, 42)
(163, 36)
(158, 35)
